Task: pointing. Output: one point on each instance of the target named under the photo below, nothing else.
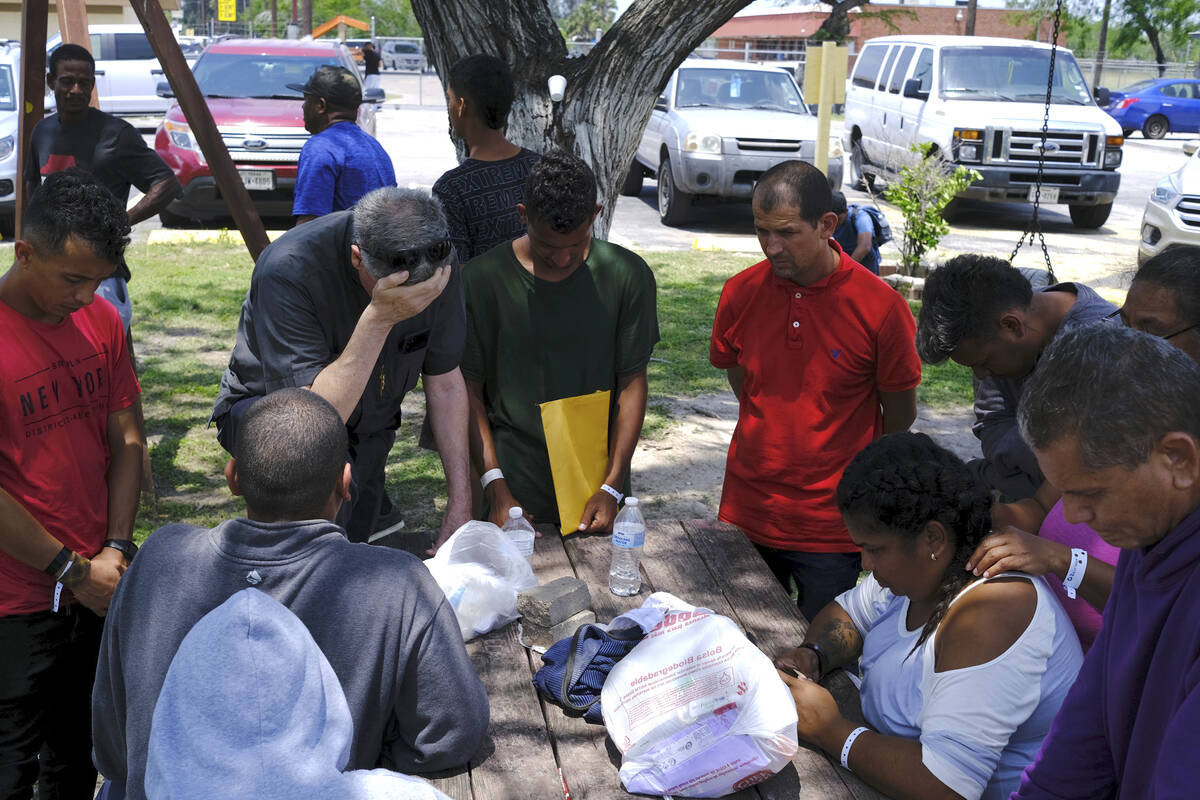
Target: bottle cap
(515, 512)
(631, 501)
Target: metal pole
(824, 107)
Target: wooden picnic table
(531, 742)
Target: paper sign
(576, 431)
(227, 10)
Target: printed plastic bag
(481, 571)
(695, 708)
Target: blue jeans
(819, 577)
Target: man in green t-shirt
(555, 314)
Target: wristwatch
(125, 546)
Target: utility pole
(969, 27)
(274, 18)
(1098, 69)
(306, 10)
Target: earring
(933, 556)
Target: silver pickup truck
(717, 127)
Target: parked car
(10, 70)
(1172, 215)
(717, 127)
(1157, 107)
(402, 55)
(980, 102)
(127, 71)
(245, 82)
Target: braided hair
(903, 481)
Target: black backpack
(882, 232)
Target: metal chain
(1035, 224)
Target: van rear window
(866, 71)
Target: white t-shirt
(979, 726)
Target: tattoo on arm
(840, 641)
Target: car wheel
(170, 220)
(1090, 216)
(632, 185)
(860, 180)
(1156, 127)
(7, 225)
(673, 203)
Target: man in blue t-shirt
(340, 162)
(856, 233)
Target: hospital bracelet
(854, 734)
(1079, 558)
(489, 476)
(616, 495)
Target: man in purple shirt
(1113, 417)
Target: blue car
(1157, 107)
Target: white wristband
(854, 734)
(616, 495)
(1078, 566)
(491, 475)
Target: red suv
(245, 84)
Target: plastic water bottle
(629, 534)
(520, 531)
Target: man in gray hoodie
(377, 615)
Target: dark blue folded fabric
(574, 669)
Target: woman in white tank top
(961, 677)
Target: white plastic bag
(695, 708)
(481, 571)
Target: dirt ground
(678, 475)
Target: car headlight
(1166, 191)
(702, 143)
(835, 147)
(181, 136)
(6, 147)
(968, 144)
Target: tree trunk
(610, 91)
(306, 8)
(1102, 48)
(969, 25)
(836, 27)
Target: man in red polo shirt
(821, 356)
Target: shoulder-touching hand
(1015, 550)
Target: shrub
(926, 186)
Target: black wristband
(820, 657)
(125, 546)
(60, 561)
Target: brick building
(783, 33)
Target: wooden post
(969, 27)
(824, 107)
(274, 19)
(73, 26)
(32, 92)
(183, 84)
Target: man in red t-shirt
(70, 468)
(821, 356)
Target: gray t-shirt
(1008, 464)
(301, 309)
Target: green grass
(944, 385)
(186, 303)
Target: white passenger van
(981, 101)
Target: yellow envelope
(576, 431)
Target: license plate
(258, 179)
(1049, 194)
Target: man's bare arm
(343, 381)
(448, 407)
(483, 456)
(736, 376)
(601, 508)
(126, 447)
(899, 409)
(155, 200)
(862, 247)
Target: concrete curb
(206, 236)
(728, 244)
